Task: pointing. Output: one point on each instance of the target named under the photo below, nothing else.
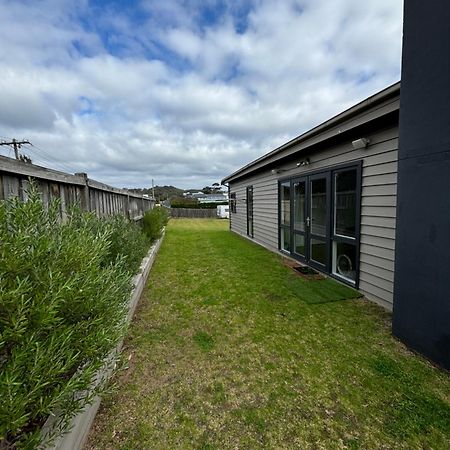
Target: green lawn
(230, 349)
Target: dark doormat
(307, 272)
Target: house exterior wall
(378, 205)
(421, 303)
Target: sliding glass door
(319, 220)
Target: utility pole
(153, 189)
(15, 144)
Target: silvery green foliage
(64, 289)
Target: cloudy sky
(183, 91)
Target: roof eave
(390, 91)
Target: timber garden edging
(81, 424)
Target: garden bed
(65, 288)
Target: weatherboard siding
(378, 206)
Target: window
(285, 209)
(344, 224)
(345, 203)
(233, 202)
(250, 211)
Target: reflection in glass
(344, 260)
(345, 203)
(285, 203)
(319, 251)
(299, 206)
(319, 206)
(285, 239)
(299, 243)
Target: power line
(16, 145)
(40, 153)
(43, 154)
(49, 159)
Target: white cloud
(180, 98)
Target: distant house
(328, 197)
(212, 198)
(192, 194)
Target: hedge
(212, 205)
(64, 291)
(154, 221)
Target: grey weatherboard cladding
(329, 146)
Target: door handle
(308, 220)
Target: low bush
(154, 222)
(184, 202)
(64, 291)
(128, 241)
(197, 205)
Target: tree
(215, 188)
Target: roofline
(384, 94)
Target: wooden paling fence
(193, 213)
(69, 189)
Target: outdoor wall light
(276, 171)
(360, 143)
(303, 163)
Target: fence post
(85, 202)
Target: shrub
(154, 221)
(128, 241)
(64, 291)
(184, 202)
(194, 204)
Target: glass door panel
(285, 203)
(319, 206)
(299, 244)
(299, 217)
(319, 251)
(285, 216)
(318, 199)
(299, 205)
(285, 239)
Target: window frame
(328, 172)
(233, 203)
(250, 209)
(282, 226)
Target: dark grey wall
(422, 269)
